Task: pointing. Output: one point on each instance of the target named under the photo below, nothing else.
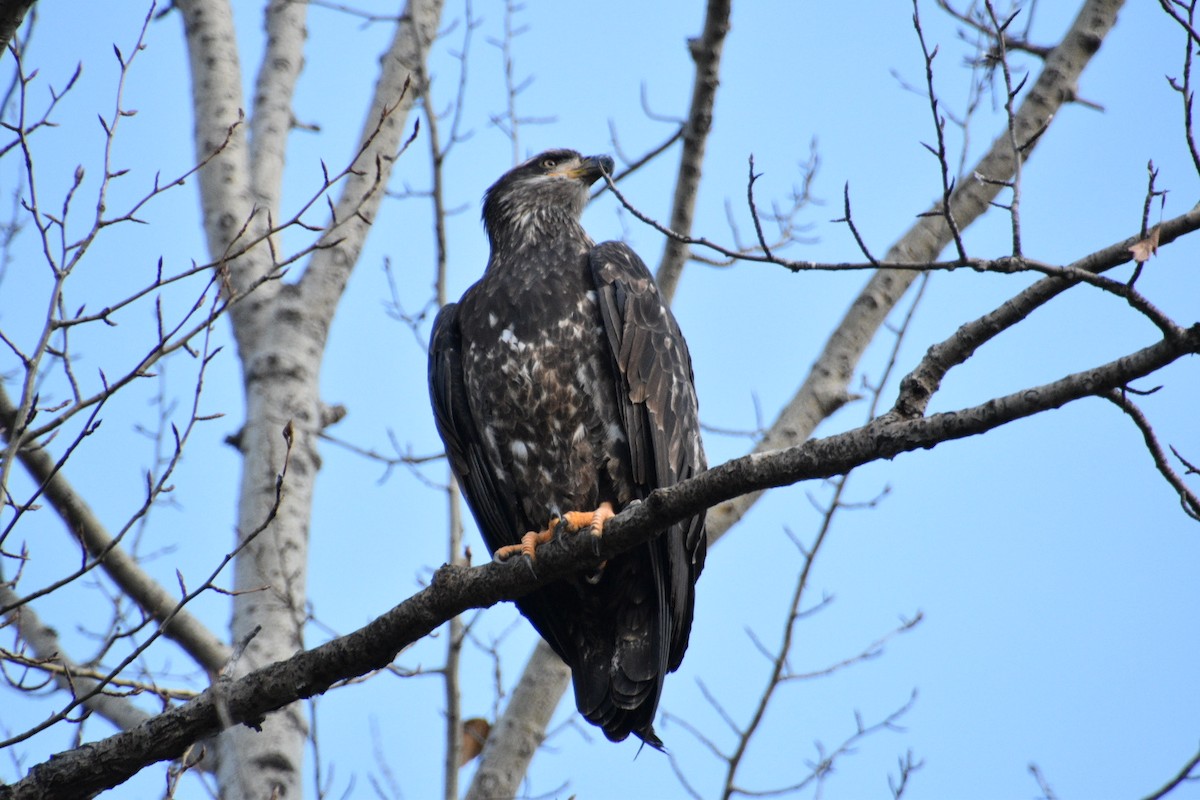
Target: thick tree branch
(919, 386)
(380, 141)
(453, 590)
(231, 215)
(518, 734)
(272, 120)
(706, 52)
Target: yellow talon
(529, 543)
(576, 521)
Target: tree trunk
(281, 330)
(281, 385)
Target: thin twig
(1188, 500)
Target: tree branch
(825, 389)
(379, 144)
(43, 641)
(919, 386)
(454, 589)
(1187, 498)
(706, 52)
(227, 199)
(518, 734)
(1183, 776)
(272, 120)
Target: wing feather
(657, 399)
(494, 508)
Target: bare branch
(1000, 38)
(510, 121)
(1043, 782)
(824, 765)
(706, 53)
(825, 389)
(1187, 498)
(945, 210)
(43, 641)
(517, 735)
(919, 386)
(57, 666)
(190, 633)
(1183, 776)
(1186, 92)
(781, 672)
(454, 589)
(1010, 94)
(82, 697)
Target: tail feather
(624, 650)
(617, 715)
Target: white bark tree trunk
(281, 361)
(281, 330)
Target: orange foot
(576, 521)
(529, 543)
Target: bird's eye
(549, 163)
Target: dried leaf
(1142, 250)
(474, 733)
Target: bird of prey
(563, 391)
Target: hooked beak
(590, 169)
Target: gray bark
(706, 53)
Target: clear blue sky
(1053, 567)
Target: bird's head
(540, 195)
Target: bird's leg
(576, 521)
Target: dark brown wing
(656, 396)
(494, 508)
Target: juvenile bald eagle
(563, 390)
